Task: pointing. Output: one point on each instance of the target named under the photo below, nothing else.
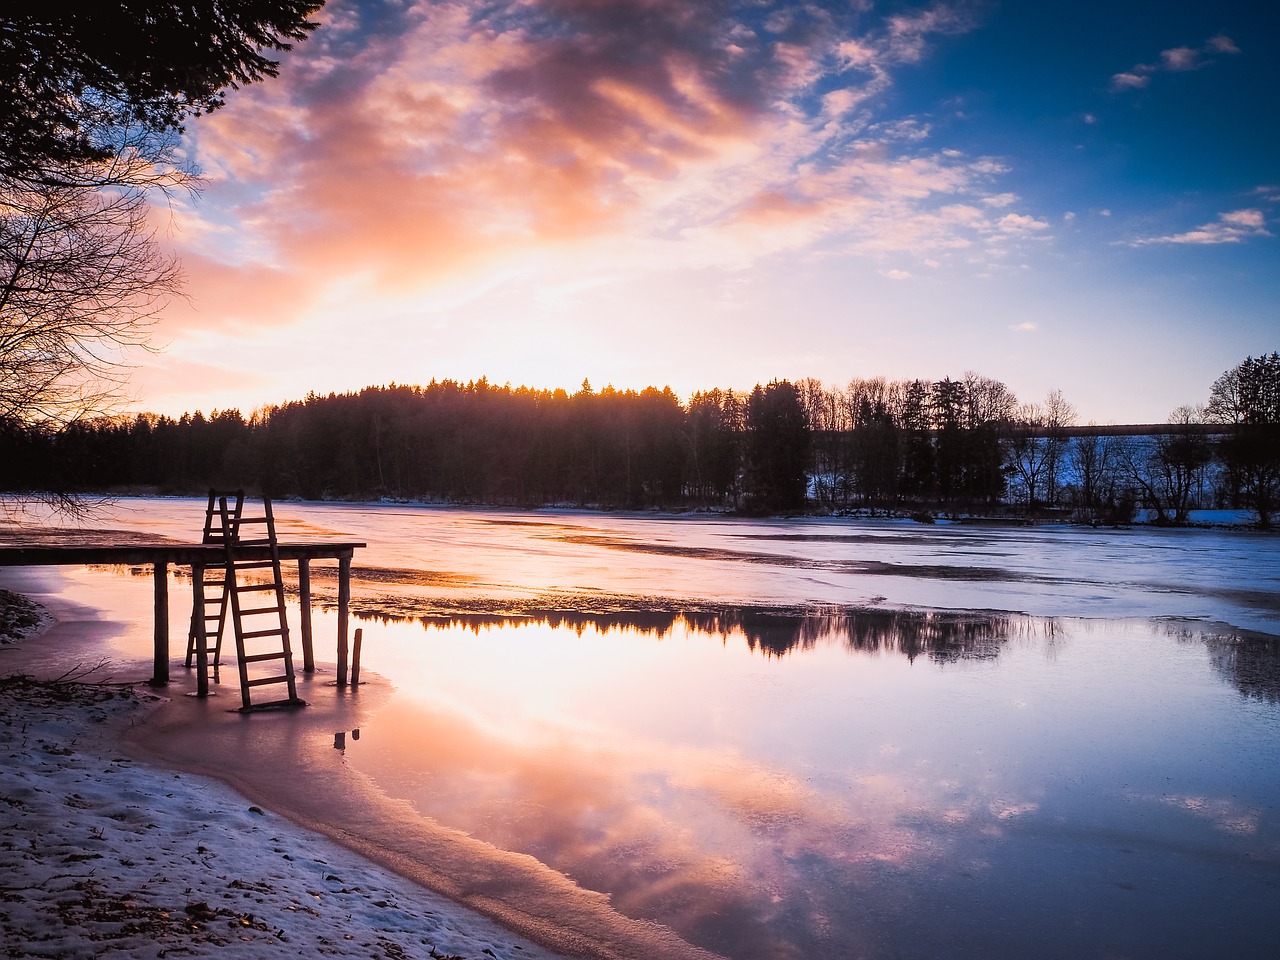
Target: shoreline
(110, 853)
(483, 901)
(104, 855)
(1226, 519)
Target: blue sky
(1076, 196)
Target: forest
(917, 447)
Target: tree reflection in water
(941, 635)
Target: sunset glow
(712, 194)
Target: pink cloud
(1173, 60)
(433, 141)
(1180, 58)
(1129, 81)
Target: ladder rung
(257, 610)
(257, 657)
(253, 520)
(255, 634)
(213, 618)
(264, 681)
(255, 542)
(255, 586)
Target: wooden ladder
(256, 607)
(213, 587)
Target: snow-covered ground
(101, 856)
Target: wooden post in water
(200, 629)
(344, 601)
(355, 657)
(160, 667)
(304, 601)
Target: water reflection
(340, 739)
(1251, 663)
(874, 783)
(941, 635)
(720, 727)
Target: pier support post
(160, 669)
(344, 601)
(201, 635)
(304, 601)
(355, 657)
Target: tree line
(953, 445)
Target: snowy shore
(102, 856)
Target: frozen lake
(823, 738)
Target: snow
(101, 856)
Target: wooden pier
(161, 555)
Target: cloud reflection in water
(781, 784)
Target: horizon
(247, 414)
(646, 192)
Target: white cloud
(1129, 81)
(897, 274)
(1018, 223)
(1000, 200)
(1234, 226)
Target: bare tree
(1095, 460)
(1059, 415)
(987, 401)
(1037, 447)
(92, 101)
(1169, 469)
(81, 279)
(1028, 456)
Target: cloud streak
(1173, 60)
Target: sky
(1077, 196)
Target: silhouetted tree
(1246, 400)
(917, 422)
(777, 447)
(712, 436)
(76, 78)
